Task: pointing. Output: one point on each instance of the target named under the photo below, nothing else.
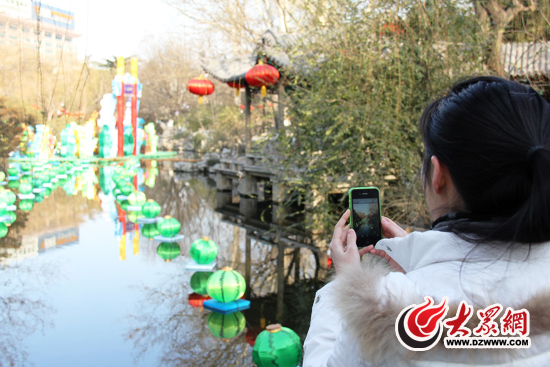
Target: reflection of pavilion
(247, 215)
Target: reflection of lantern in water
(203, 250)
(226, 326)
(199, 282)
(47, 192)
(168, 226)
(168, 251)
(3, 230)
(2, 176)
(226, 285)
(137, 198)
(26, 205)
(151, 209)
(196, 300)
(10, 197)
(25, 187)
(278, 346)
(25, 167)
(149, 230)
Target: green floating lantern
(3, 206)
(226, 326)
(168, 251)
(25, 187)
(26, 205)
(203, 250)
(14, 184)
(226, 285)
(38, 197)
(3, 230)
(149, 230)
(8, 196)
(2, 176)
(151, 209)
(124, 205)
(134, 216)
(137, 198)
(199, 282)
(168, 226)
(277, 346)
(126, 188)
(25, 167)
(12, 219)
(13, 171)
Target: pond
(82, 285)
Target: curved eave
(227, 71)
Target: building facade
(33, 25)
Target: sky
(120, 27)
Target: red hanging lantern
(201, 87)
(237, 85)
(262, 76)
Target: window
(2, 34)
(13, 37)
(68, 39)
(48, 34)
(26, 30)
(48, 43)
(37, 32)
(13, 27)
(58, 37)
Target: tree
(12, 125)
(354, 115)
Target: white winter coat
(353, 317)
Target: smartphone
(366, 218)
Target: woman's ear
(439, 179)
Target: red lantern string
(201, 87)
(262, 76)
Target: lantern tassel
(264, 91)
(237, 92)
(200, 99)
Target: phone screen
(365, 206)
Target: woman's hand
(343, 247)
(390, 230)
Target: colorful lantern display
(201, 87)
(38, 197)
(2, 176)
(237, 85)
(277, 345)
(199, 282)
(196, 300)
(168, 226)
(8, 196)
(3, 230)
(226, 285)
(3, 206)
(203, 250)
(262, 76)
(168, 251)
(137, 198)
(26, 205)
(151, 209)
(124, 204)
(226, 326)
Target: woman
(486, 179)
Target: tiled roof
(526, 59)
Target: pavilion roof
(278, 48)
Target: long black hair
(494, 136)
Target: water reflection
(168, 322)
